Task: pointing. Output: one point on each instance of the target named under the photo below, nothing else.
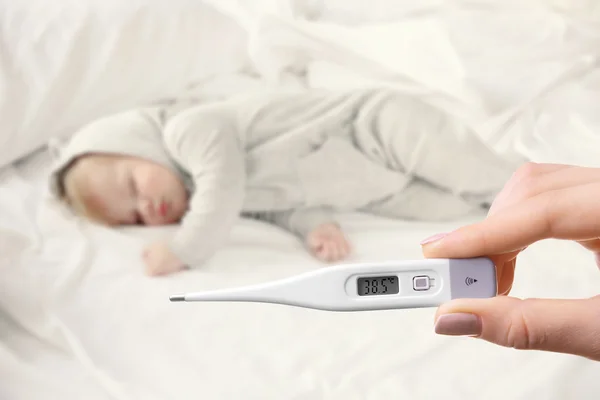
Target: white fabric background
(65, 62)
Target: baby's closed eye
(132, 186)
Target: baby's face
(127, 190)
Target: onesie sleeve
(208, 147)
(300, 221)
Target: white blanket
(526, 76)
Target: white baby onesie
(294, 158)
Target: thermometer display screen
(377, 285)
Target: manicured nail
(459, 324)
(433, 238)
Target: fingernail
(459, 324)
(433, 238)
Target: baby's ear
(65, 200)
(57, 182)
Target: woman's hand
(540, 201)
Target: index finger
(516, 227)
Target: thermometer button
(421, 283)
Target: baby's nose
(145, 207)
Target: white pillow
(65, 62)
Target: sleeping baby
(290, 159)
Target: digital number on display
(377, 285)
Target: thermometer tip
(179, 297)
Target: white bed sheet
(34, 369)
(82, 321)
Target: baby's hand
(160, 260)
(328, 243)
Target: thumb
(563, 326)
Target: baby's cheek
(151, 185)
(155, 178)
(179, 212)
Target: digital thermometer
(370, 286)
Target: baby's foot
(328, 243)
